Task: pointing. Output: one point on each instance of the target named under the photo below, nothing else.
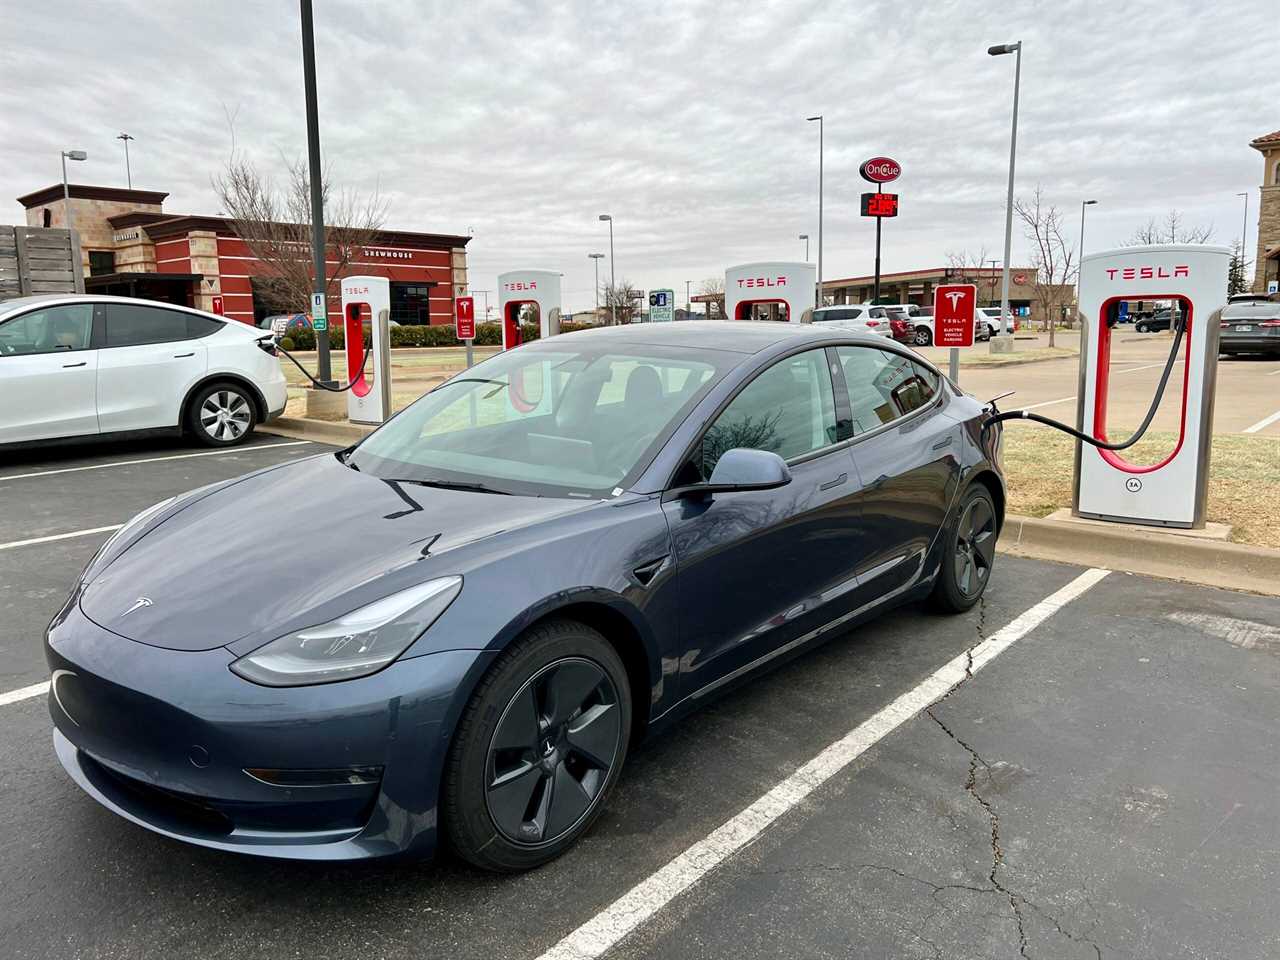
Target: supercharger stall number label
(1133, 484)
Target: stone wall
(1268, 214)
(91, 223)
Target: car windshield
(577, 417)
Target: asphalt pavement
(1104, 786)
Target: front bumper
(163, 738)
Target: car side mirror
(738, 470)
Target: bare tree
(1172, 230)
(1052, 257)
(619, 297)
(713, 287)
(965, 266)
(275, 224)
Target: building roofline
(1266, 140)
(84, 191)
(925, 273)
(171, 226)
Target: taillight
(1270, 323)
(1225, 325)
(873, 323)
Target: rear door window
(130, 325)
(883, 386)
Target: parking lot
(1085, 765)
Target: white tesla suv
(86, 366)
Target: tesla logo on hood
(137, 605)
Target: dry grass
(1020, 355)
(1244, 476)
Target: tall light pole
(688, 300)
(316, 175)
(66, 192)
(613, 276)
(805, 238)
(596, 258)
(999, 50)
(1244, 228)
(127, 172)
(817, 299)
(1080, 258)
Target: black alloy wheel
(538, 748)
(970, 554)
(552, 751)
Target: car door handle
(179, 356)
(68, 366)
(834, 483)
(943, 443)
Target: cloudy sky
(686, 121)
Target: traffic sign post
(662, 306)
(319, 313)
(464, 312)
(954, 306)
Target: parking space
(1104, 784)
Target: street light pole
(127, 172)
(1244, 228)
(1080, 258)
(996, 51)
(818, 292)
(595, 259)
(613, 277)
(66, 191)
(317, 188)
(805, 238)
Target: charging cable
(998, 417)
(324, 386)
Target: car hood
(291, 547)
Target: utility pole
(817, 302)
(688, 300)
(316, 174)
(613, 276)
(996, 51)
(595, 259)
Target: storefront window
(410, 303)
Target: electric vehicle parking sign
(953, 309)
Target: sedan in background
(89, 366)
(1250, 326)
(552, 555)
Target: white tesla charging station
(1172, 492)
(367, 300)
(539, 287)
(790, 284)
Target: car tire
(221, 414)
(969, 550)
(1142, 328)
(494, 815)
(923, 337)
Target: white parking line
(59, 536)
(1263, 423)
(24, 693)
(176, 456)
(1147, 366)
(641, 902)
(1049, 403)
(1274, 373)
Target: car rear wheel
(221, 415)
(538, 749)
(969, 552)
(923, 337)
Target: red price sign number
(465, 312)
(953, 314)
(879, 204)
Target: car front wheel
(221, 415)
(923, 338)
(538, 749)
(1142, 328)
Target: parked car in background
(991, 315)
(1161, 319)
(1250, 326)
(922, 327)
(859, 318)
(86, 366)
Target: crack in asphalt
(1016, 900)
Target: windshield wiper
(454, 485)
(500, 383)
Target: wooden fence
(39, 260)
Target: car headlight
(354, 645)
(131, 525)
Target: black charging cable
(367, 347)
(998, 417)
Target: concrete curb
(340, 433)
(1233, 566)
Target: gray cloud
(684, 120)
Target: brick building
(132, 247)
(917, 286)
(1267, 260)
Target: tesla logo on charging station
(1147, 273)
(762, 281)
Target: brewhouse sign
(880, 170)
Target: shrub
(288, 344)
(438, 335)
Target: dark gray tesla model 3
(454, 630)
